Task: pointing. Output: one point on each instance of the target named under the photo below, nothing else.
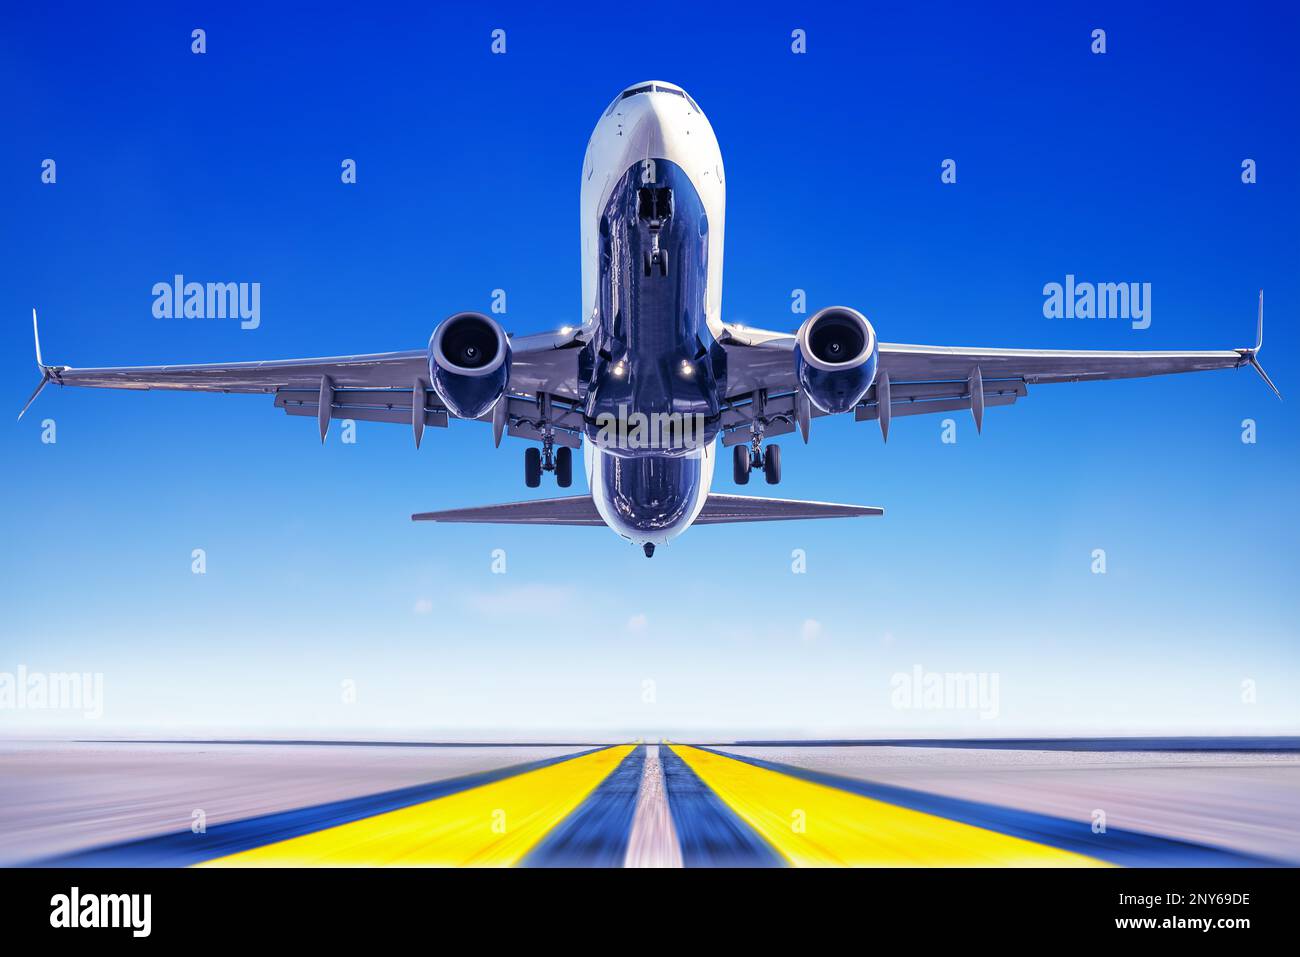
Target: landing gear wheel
(532, 467)
(772, 464)
(741, 464)
(564, 466)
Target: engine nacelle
(835, 358)
(469, 363)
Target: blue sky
(225, 167)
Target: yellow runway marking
(813, 825)
(490, 826)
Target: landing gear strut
(655, 207)
(548, 458)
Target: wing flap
(955, 398)
(906, 398)
(398, 415)
(394, 405)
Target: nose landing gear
(655, 208)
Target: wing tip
(36, 335)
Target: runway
(1057, 803)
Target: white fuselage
(649, 122)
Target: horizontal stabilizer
(570, 510)
(581, 510)
(721, 509)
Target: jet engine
(469, 363)
(835, 358)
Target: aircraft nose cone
(646, 119)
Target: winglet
(36, 333)
(46, 373)
(1254, 364)
(1259, 332)
(45, 378)
(1252, 355)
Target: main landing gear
(748, 457)
(745, 458)
(548, 459)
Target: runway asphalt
(1160, 802)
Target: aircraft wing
(378, 387)
(919, 379)
(581, 510)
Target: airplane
(652, 346)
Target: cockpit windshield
(652, 88)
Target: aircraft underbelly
(653, 366)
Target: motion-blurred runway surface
(1160, 802)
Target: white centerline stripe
(653, 842)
